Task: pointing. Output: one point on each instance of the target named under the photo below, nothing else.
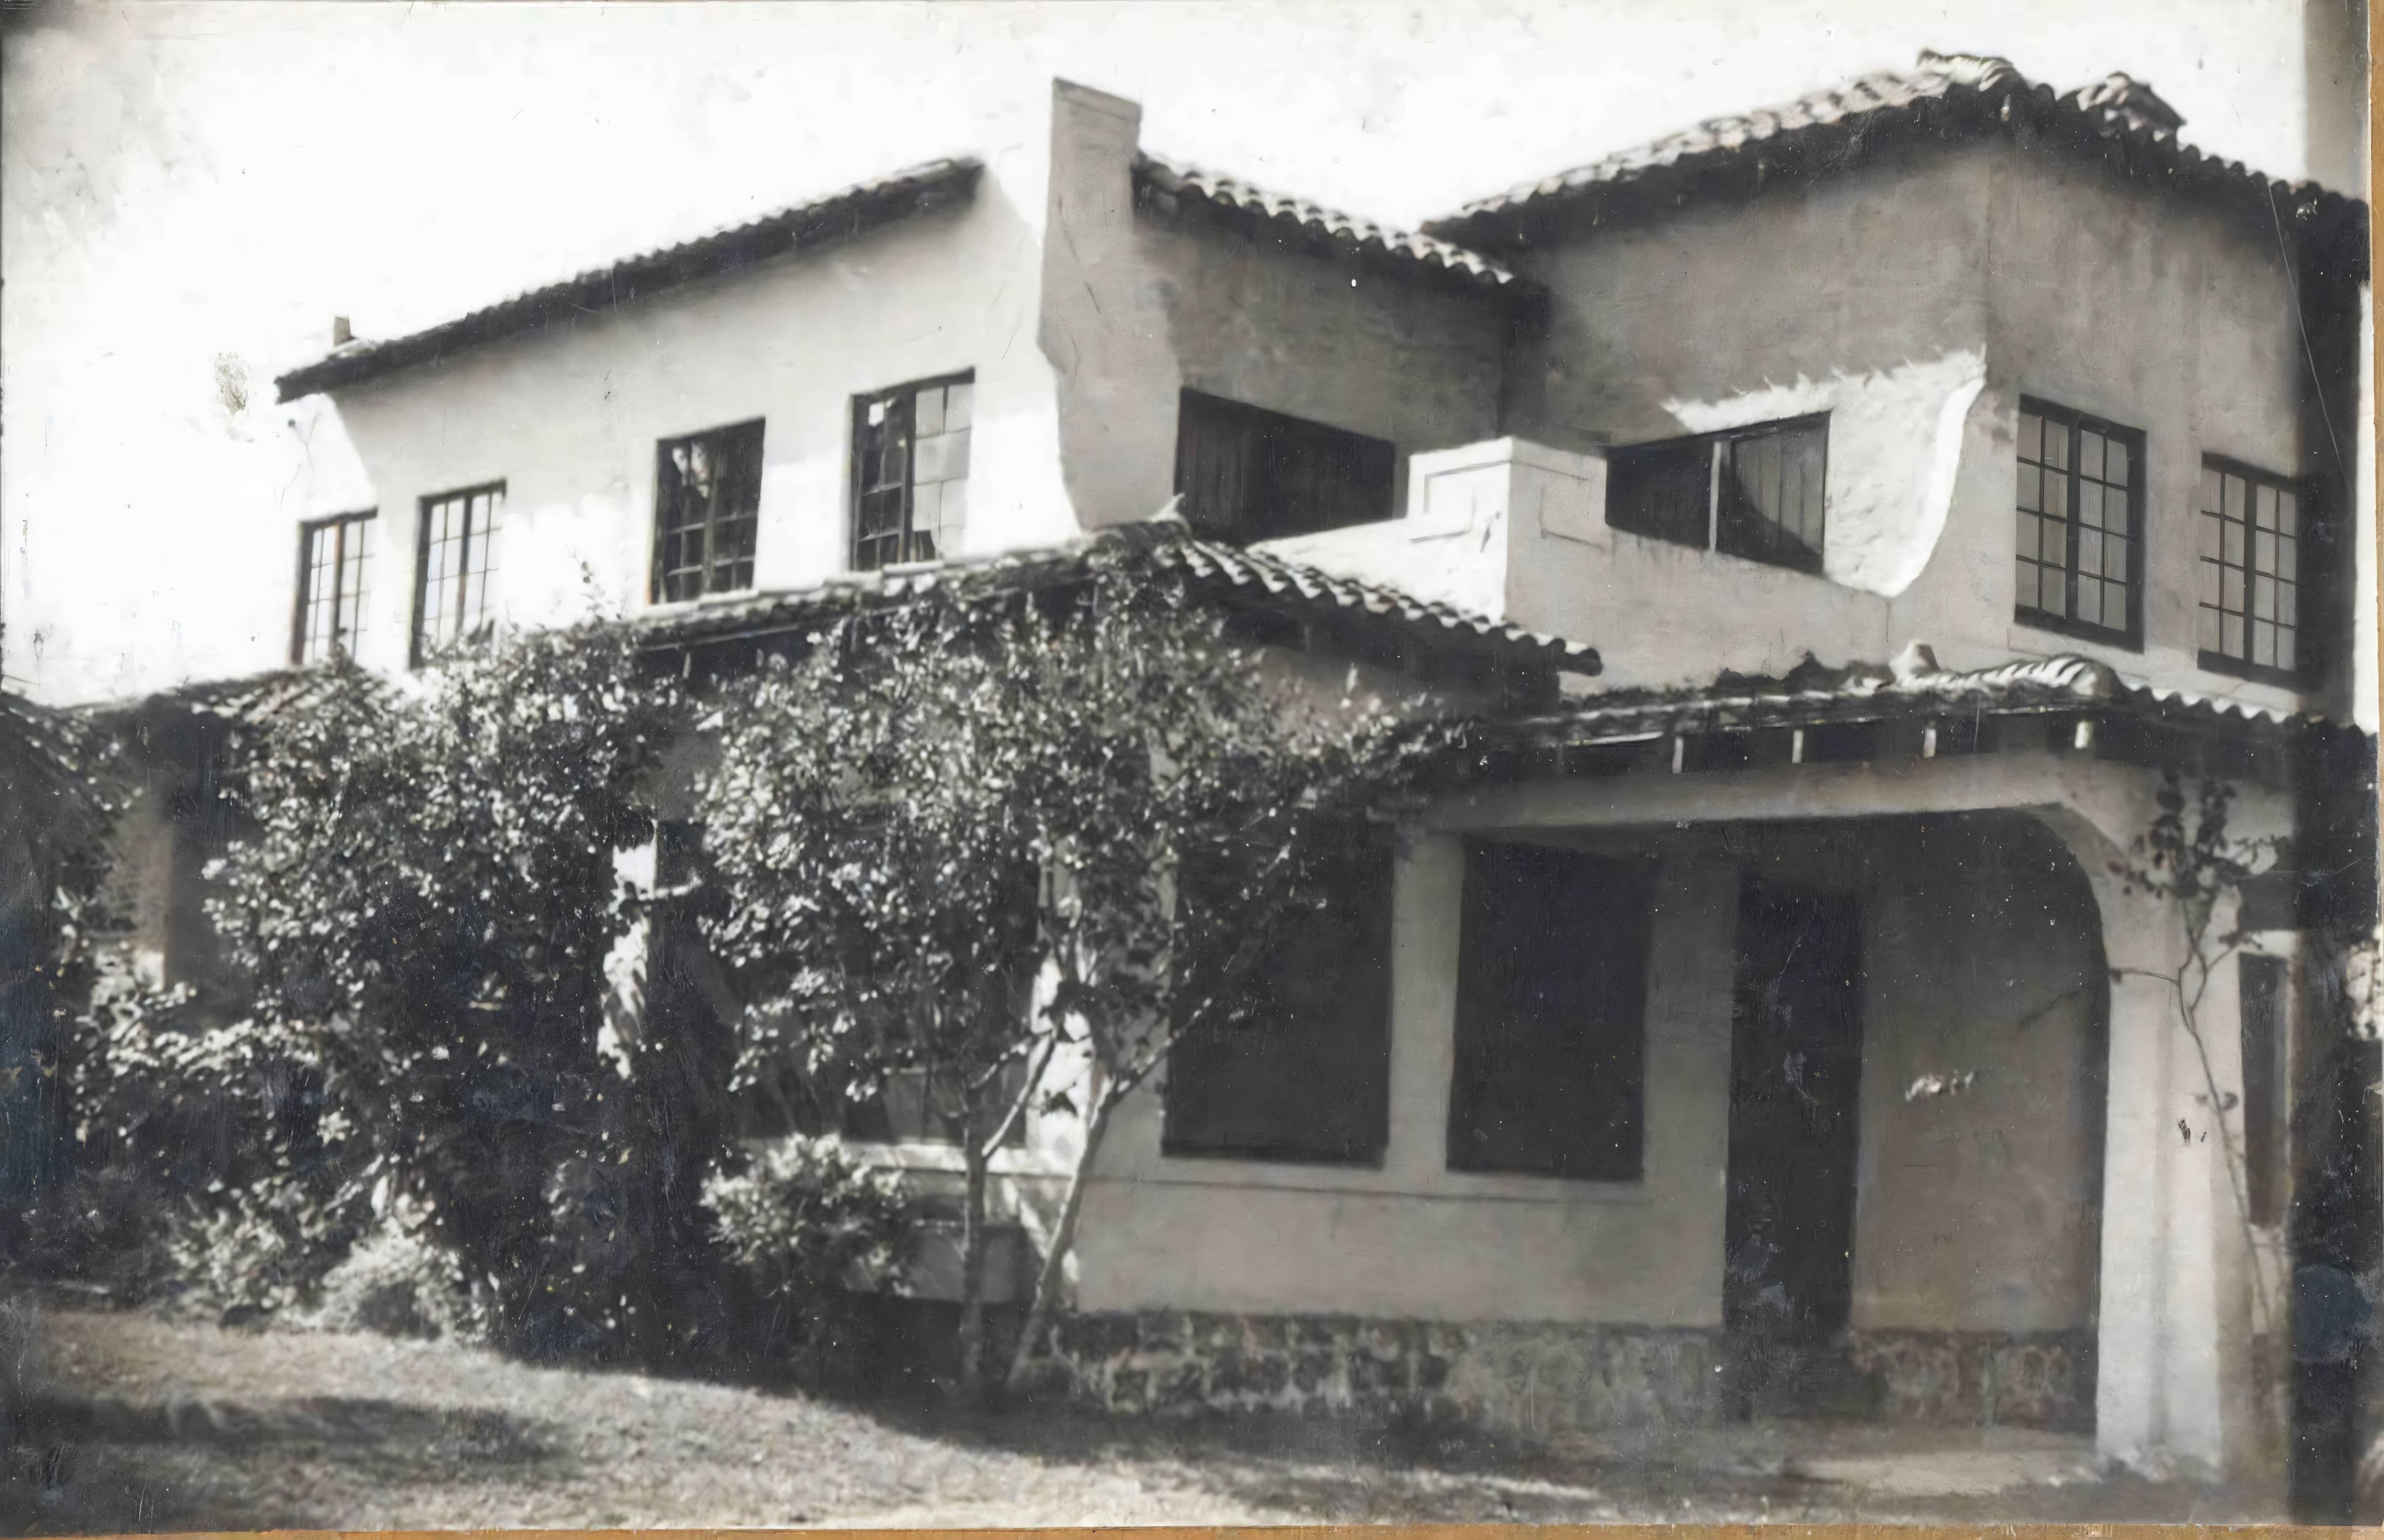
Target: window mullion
(2076, 521)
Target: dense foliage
(422, 908)
(948, 842)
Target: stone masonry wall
(1537, 1379)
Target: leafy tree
(424, 910)
(951, 845)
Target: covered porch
(1802, 1052)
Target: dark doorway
(1796, 1069)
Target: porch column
(2175, 1387)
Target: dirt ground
(130, 1424)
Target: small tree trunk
(976, 1159)
(1053, 1276)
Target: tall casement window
(707, 508)
(910, 471)
(1757, 492)
(456, 567)
(2250, 532)
(331, 557)
(2079, 522)
(2261, 985)
(1551, 1003)
(1246, 474)
(1303, 1072)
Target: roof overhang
(806, 226)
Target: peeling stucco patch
(1895, 443)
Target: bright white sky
(191, 190)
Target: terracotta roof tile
(1360, 235)
(1215, 566)
(1950, 95)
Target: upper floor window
(1755, 492)
(707, 508)
(2249, 621)
(1246, 474)
(2081, 557)
(332, 556)
(453, 568)
(910, 471)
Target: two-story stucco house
(1857, 507)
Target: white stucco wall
(1914, 302)
(1413, 1238)
(569, 416)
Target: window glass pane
(2289, 512)
(711, 486)
(927, 414)
(1765, 513)
(1663, 490)
(2090, 453)
(2032, 487)
(959, 405)
(2032, 436)
(2115, 462)
(2207, 535)
(2205, 629)
(2235, 497)
(2056, 444)
(1303, 1073)
(1552, 976)
(2212, 496)
(2025, 535)
(2090, 504)
(2057, 496)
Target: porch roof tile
(1235, 574)
(1913, 688)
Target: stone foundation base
(1533, 1378)
(1982, 1379)
(1538, 1379)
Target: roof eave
(840, 217)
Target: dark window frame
(715, 573)
(418, 645)
(307, 531)
(2076, 424)
(1723, 517)
(1484, 1080)
(1211, 430)
(866, 549)
(2305, 490)
(1355, 1034)
(2264, 998)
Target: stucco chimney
(342, 334)
(1101, 327)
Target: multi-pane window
(2249, 621)
(332, 556)
(910, 471)
(1551, 997)
(1757, 492)
(1247, 474)
(1300, 1071)
(2080, 524)
(456, 567)
(707, 508)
